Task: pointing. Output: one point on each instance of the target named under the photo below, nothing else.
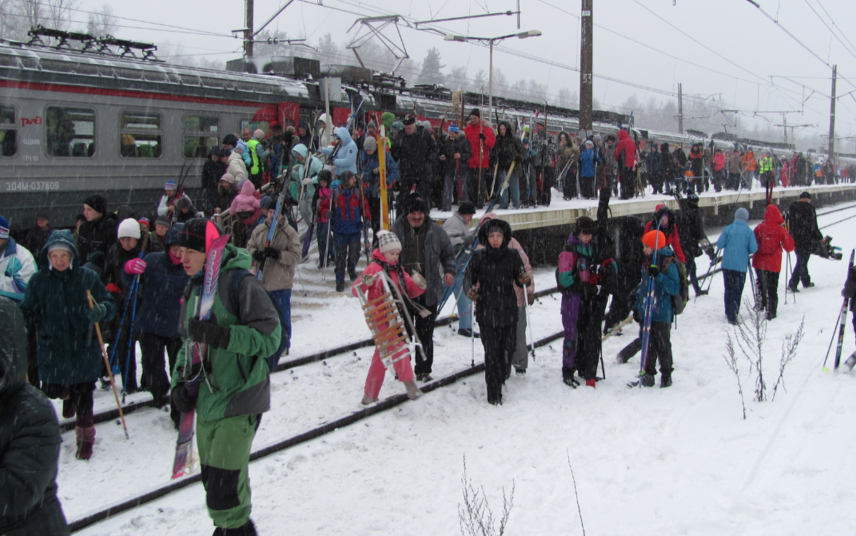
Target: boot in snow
(591, 383)
(648, 380)
(413, 392)
(366, 400)
(247, 530)
(850, 361)
(666, 380)
(85, 442)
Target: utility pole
(248, 30)
(785, 126)
(680, 109)
(586, 45)
(832, 113)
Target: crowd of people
(142, 284)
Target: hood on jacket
(247, 188)
(773, 215)
(183, 202)
(301, 150)
(344, 136)
(124, 212)
(387, 118)
(741, 214)
(664, 252)
(509, 132)
(60, 236)
(173, 234)
(304, 125)
(492, 225)
(659, 212)
(323, 117)
(623, 135)
(13, 349)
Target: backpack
(679, 300)
(234, 289)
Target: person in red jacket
(625, 156)
(482, 139)
(767, 261)
(669, 228)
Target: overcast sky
(728, 48)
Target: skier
(236, 388)
(458, 229)
(589, 159)
(166, 205)
(455, 152)
(322, 211)
(482, 139)
(29, 440)
(767, 261)
(162, 282)
(668, 226)
(38, 235)
(582, 310)
(245, 209)
(349, 216)
(738, 242)
(304, 177)
(802, 223)
(849, 292)
(492, 274)
(277, 261)
(625, 159)
(17, 265)
(666, 284)
(370, 166)
(385, 262)
(693, 239)
(344, 154)
(69, 360)
(426, 250)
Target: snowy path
(653, 461)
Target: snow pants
(520, 357)
(450, 185)
(224, 455)
(513, 189)
(425, 332)
(474, 189)
(284, 297)
(498, 343)
(767, 293)
(570, 315)
(588, 189)
(347, 250)
(660, 348)
(125, 351)
(377, 372)
(155, 376)
(692, 274)
(734, 282)
(628, 182)
(325, 246)
(800, 273)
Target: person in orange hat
(667, 283)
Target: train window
(140, 135)
(200, 135)
(252, 126)
(70, 131)
(8, 131)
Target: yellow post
(381, 158)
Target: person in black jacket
(416, 154)
(98, 232)
(508, 149)
(654, 169)
(212, 170)
(693, 239)
(802, 224)
(29, 440)
(849, 292)
(492, 274)
(455, 152)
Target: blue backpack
(234, 298)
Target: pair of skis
(650, 303)
(842, 322)
(215, 247)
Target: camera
(827, 251)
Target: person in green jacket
(69, 354)
(233, 381)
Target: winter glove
(13, 267)
(530, 298)
(419, 280)
(182, 400)
(272, 253)
(113, 289)
(482, 137)
(97, 312)
(259, 256)
(306, 182)
(473, 294)
(135, 266)
(711, 254)
(523, 279)
(654, 270)
(208, 332)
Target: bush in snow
(475, 516)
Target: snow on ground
(671, 461)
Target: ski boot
(366, 400)
(413, 391)
(850, 362)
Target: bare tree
(475, 516)
(789, 352)
(102, 22)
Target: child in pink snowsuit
(385, 259)
(246, 201)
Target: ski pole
(107, 364)
(473, 334)
(834, 334)
(300, 278)
(529, 322)
(131, 350)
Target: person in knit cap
(667, 283)
(36, 238)
(370, 177)
(56, 305)
(184, 210)
(371, 283)
(349, 215)
(239, 336)
(166, 205)
(98, 232)
(121, 258)
(493, 273)
(245, 208)
(737, 242)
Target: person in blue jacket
(737, 242)
(370, 177)
(590, 158)
(349, 213)
(162, 282)
(667, 283)
(344, 156)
